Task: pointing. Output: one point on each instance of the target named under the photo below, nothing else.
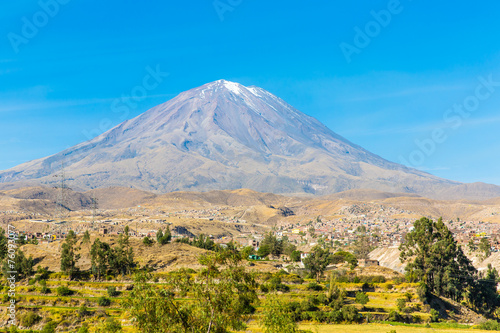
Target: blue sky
(58, 82)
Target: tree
(271, 243)
(223, 292)
(69, 258)
(3, 244)
(295, 256)
(159, 236)
(276, 317)
(167, 235)
(20, 264)
(86, 238)
(263, 251)
(434, 258)
(472, 247)
(99, 254)
(485, 247)
(121, 257)
(247, 251)
(317, 261)
(163, 238)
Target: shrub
(29, 319)
(401, 303)
(103, 301)
(490, 325)
(434, 316)
(83, 311)
(112, 292)
(314, 286)
(111, 326)
(50, 327)
(361, 298)
(44, 289)
(64, 291)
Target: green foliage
(485, 247)
(64, 291)
(19, 263)
(29, 319)
(69, 258)
(317, 261)
(489, 325)
(110, 326)
(121, 257)
(163, 238)
(99, 258)
(277, 317)
(401, 303)
(44, 289)
(247, 251)
(434, 258)
(295, 256)
(344, 256)
(314, 286)
(361, 298)
(147, 241)
(271, 245)
(83, 311)
(204, 242)
(434, 316)
(83, 329)
(223, 293)
(3, 244)
(112, 292)
(103, 301)
(50, 327)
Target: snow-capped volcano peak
(223, 135)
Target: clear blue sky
(395, 90)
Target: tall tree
(316, 261)
(86, 238)
(69, 257)
(3, 244)
(485, 247)
(99, 254)
(434, 258)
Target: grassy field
(376, 328)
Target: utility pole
(95, 207)
(61, 194)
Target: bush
(29, 319)
(112, 292)
(361, 298)
(64, 291)
(490, 325)
(314, 286)
(103, 301)
(83, 311)
(111, 326)
(50, 327)
(434, 316)
(44, 289)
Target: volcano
(220, 136)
